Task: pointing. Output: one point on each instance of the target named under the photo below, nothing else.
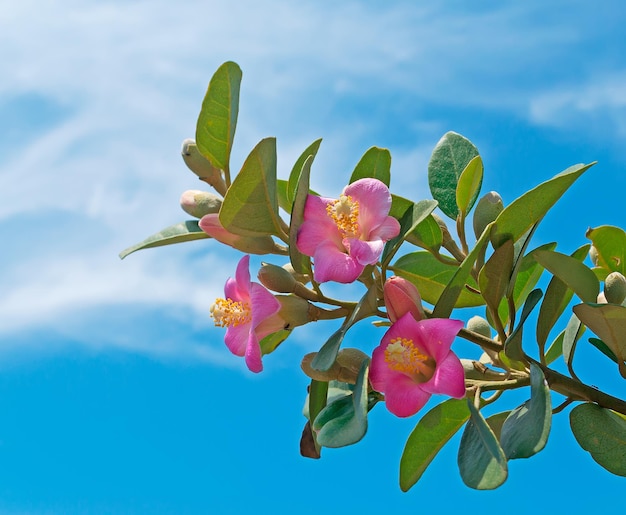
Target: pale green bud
(615, 288)
(487, 210)
(479, 325)
(276, 278)
(199, 203)
(296, 311)
(593, 255)
(196, 162)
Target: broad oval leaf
(602, 433)
(344, 421)
(469, 184)
(250, 207)
(481, 460)
(572, 272)
(531, 207)
(450, 157)
(431, 433)
(431, 277)
(610, 242)
(376, 164)
(177, 233)
(217, 121)
(526, 429)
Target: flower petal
(236, 338)
(333, 265)
(211, 225)
(435, 336)
(379, 369)
(449, 378)
(365, 252)
(403, 397)
(262, 303)
(253, 354)
(390, 228)
(374, 203)
(317, 226)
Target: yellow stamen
(230, 313)
(402, 355)
(345, 213)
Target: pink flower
(402, 296)
(249, 311)
(211, 225)
(414, 361)
(345, 235)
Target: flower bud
(195, 161)
(276, 278)
(487, 210)
(211, 225)
(593, 255)
(479, 325)
(401, 297)
(199, 203)
(296, 311)
(615, 288)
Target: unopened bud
(401, 297)
(202, 167)
(593, 255)
(296, 311)
(479, 325)
(301, 278)
(615, 288)
(276, 278)
(199, 203)
(487, 210)
(211, 225)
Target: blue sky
(116, 393)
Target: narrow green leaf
(495, 275)
(413, 216)
(431, 277)
(318, 393)
(178, 233)
(431, 433)
(610, 242)
(572, 272)
(556, 348)
(272, 341)
(250, 207)
(215, 129)
(531, 207)
(608, 321)
(602, 433)
(299, 262)
(375, 163)
(456, 286)
(294, 176)
(603, 348)
(468, 187)
(525, 431)
(555, 301)
(481, 460)
(328, 353)
(573, 331)
(450, 157)
(513, 344)
(344, 421)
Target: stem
(460, 229)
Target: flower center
(345, 213)
(230, 313)
(402, 355)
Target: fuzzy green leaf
(178, 233)
(215, 129)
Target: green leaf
(469, 184)
(281, 192)
(178, 233)
(328, 353)
(481, 460)
(215, 129)
(450, 157)
(344, 421)
(318, 392)
(513, 344)
(294, 176)
(556, 348)
(375, 163)
(299, 262)
(608, 321)
(610, 242)
(431, 433)
(531, 207)
(496, 422)
(272, 341)
(572, 272)
(525, 431)
(427, 234)
(555, 301)
(602, 433)
(456, 286)
(431, 277)
(494, 277)
(573, 331)
(250, 207)
(603, 348)
(412, 217)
